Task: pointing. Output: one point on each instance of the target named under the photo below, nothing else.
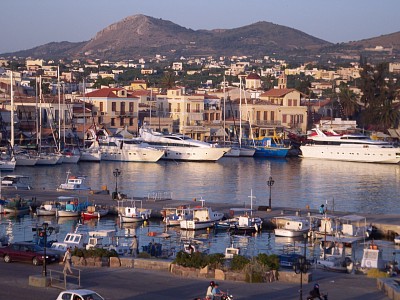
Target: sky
(25, 24)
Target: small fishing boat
(18, 182)
(131, 213)
(203, 217)
(75, 183)
(47, 209)
(94, 212)
(17, 206)
(73, 206)
(291, 226)
(174, 215)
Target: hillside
(143, 36)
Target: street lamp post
(270, 183)
(116, 173)
(44, 231)
(302, 265)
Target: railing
(59, 279)
(159, 195)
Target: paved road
(132, 284)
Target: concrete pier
(386, 225)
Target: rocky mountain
(143, 36)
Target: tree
(348, 101)
(168, 81)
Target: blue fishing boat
(267, 147)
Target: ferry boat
(330, 145)
(182, 147)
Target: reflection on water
(353, 187)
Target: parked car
(28, 252)
(79, 295)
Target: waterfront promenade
(387, 225)
(137, 284)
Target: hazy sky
(25, 24)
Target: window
(122, 108)
(113, 106)
(121, 121)
(289, 102)
(284, 118)
(188, 107)
(131, 107)
(265, 116)
(101, 106)
(112, 121)
(272, 116)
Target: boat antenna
(251, 201)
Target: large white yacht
(182, 147)
(116, 148)
(348, 147)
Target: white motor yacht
(330, 145)
(182, 147)
(115, 148)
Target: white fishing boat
(182, 147)
(172, 216)
(75, 183)
(18, 182)
(372, 257)
(333, 258)
(47, 209)
(231, 251)
(76, 239)
(131, 213)
(330, 145)
(116, 148)
(291, 226)
(203, 217)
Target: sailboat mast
(12, 112)
(59, 108)
(224, 108)
(240, 110)
(84, 111)
(40, 113)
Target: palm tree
(348, 101)
(168, 81)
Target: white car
(80, 294)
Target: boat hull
(192, 153)
(132, 155)
(45, 212)
(271, 152)
(288, 233)
(66, 213)
(195, 225)
(352, 153)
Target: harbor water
(351, 187)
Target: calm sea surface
(352, 187)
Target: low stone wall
(390, 286)
(90, 261)
(168, 266)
